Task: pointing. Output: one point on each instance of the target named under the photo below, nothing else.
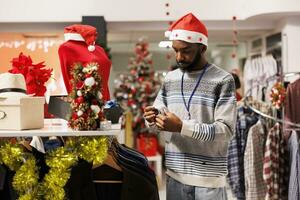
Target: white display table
(59, 127)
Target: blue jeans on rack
(179, 191)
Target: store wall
(137, 10)
(39, 49)
(291, 45)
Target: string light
(31, 45)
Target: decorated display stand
(59, 127)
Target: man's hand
(150, 114)
(168, 122)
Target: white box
(21, 113)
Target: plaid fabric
(236, 151)
(254, 155)
(283, 168)
(294, 183)
(275, 165)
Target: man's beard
(189, 66)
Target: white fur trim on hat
(167, 34)
(188, 36)
(73, 36)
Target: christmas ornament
(278, 94)
(88, 98)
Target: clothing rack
(270, 117)
(288, 74)
(283, 122)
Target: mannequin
(80, 48)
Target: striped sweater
(197, 155)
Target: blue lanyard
(187, 106)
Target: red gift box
(147, 145)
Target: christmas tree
(138, 88)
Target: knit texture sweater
(197, 155)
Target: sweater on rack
(197, 155)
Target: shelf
(59, 127)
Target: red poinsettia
(35, 74)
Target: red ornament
(141, 79)
(88, 75)
(74, 116)
(79, 85)
(167, 13)
(79, 100)
(94, 102)
(167, 4)
(85, 116)
(234, 18)
(133, 72)
(233, 55)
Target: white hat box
(19, 113)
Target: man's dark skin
(190, 57)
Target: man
(197, 107)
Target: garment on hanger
(292, 105)
(294, 182)
(275, 165)
(259, 73)
(135, 181)
(253, 162)
(7, 192)
(236, 151)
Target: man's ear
(203, 48)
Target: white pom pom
(100, 96)
(89, 81)
(168, 34)
(91, 47)
(79, 93)
(95, 68)
(79, 113)
(95, 108)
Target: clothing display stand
(59, 127)
(157, 160)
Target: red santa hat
(79, 32)
(189, 29)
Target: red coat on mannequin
(79, 48)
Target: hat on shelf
(189, 29)
(79, 32)
(12, 85)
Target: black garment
(8, 193)
(138, 180)
(111, 191)
(80, 185)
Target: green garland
(86, 114)
(60, 161)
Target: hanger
(111, 161)
(270, 117)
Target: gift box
(147, 145)
(18, 113)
